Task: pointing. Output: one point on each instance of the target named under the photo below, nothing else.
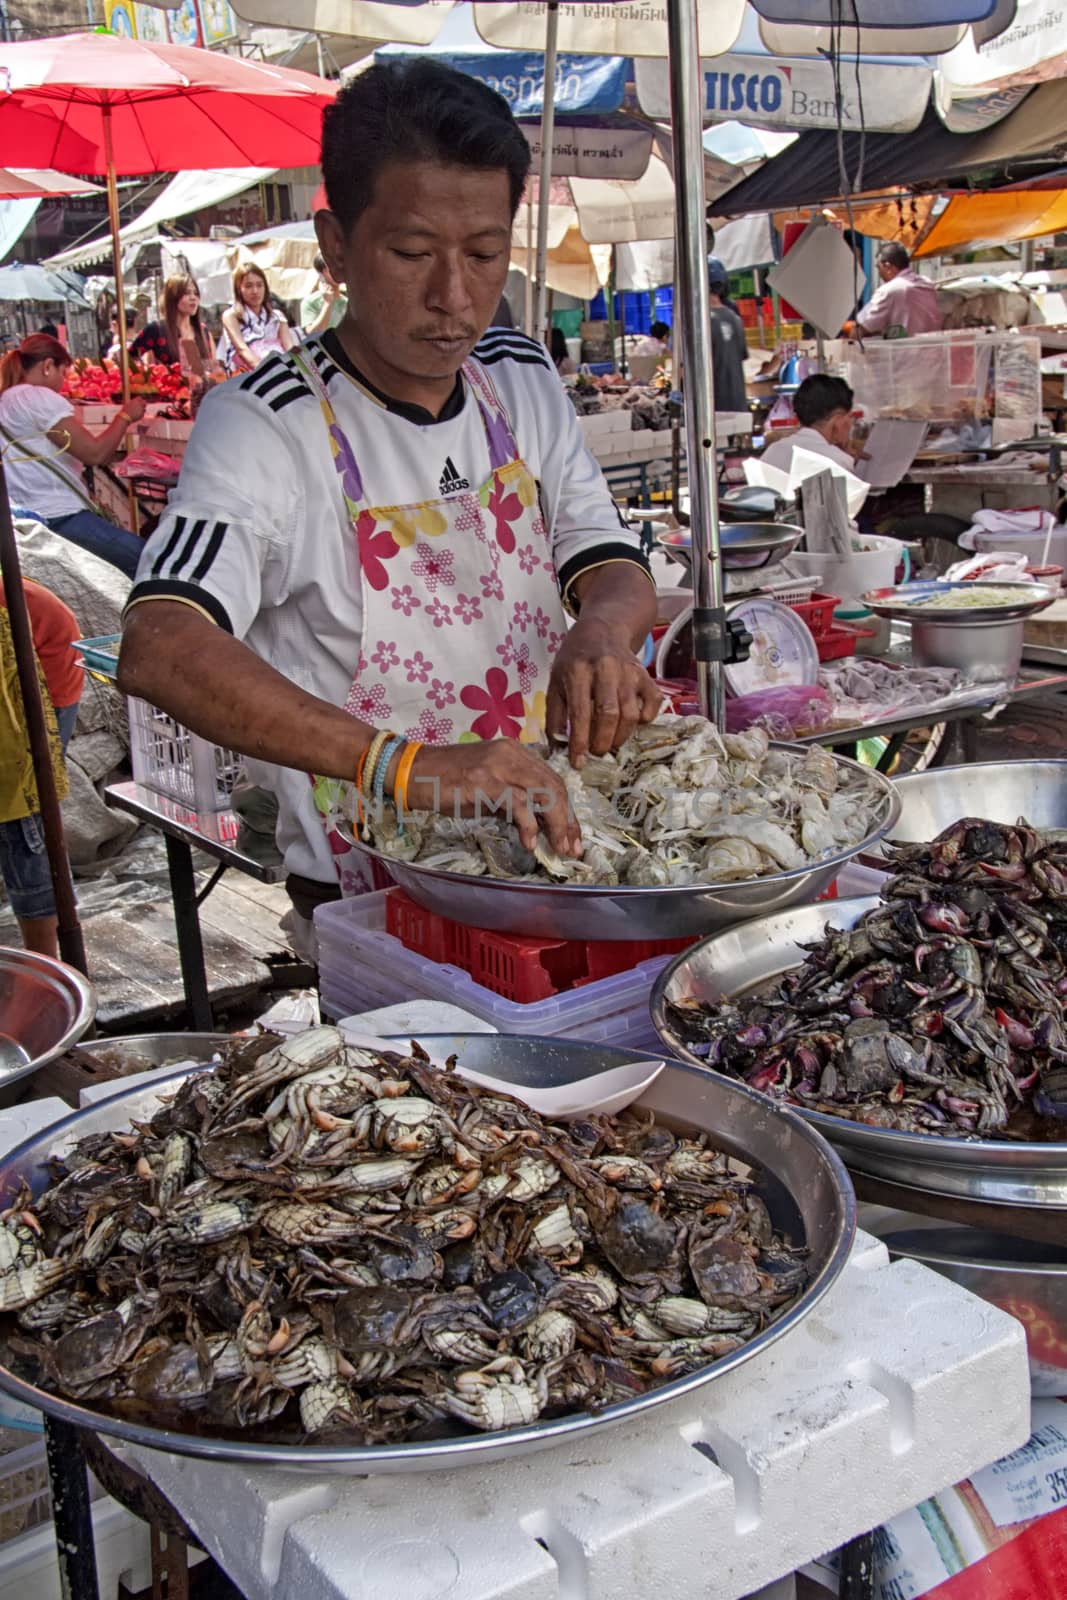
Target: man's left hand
(598, 691)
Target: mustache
(464, 331)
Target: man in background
(728, 347)
(325, 306)
(905, 304)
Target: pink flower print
(537, 527)
(367, 701)
(525, 667)
(405, 599)
(434, 567)
(541, 620)
(520, 617)
(442, 693)
(507, 651)
(505, 509)
(492, 588)
(470, 519)
(418, 667)
(430, 729)
(376, 546)
(468, 607)
(361, 665)
(440, 612)
(385, 655)
(501, 709)
(554, 641)
(529, 560)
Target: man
(325, 306)
(728, 346)
(379, 531)
(824, 410)
(905, 304)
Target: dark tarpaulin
(808, 172)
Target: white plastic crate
(362, 967)
(172, 761)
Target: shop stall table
(1031, 682)
(183, 831)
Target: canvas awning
(997, 218)
(808, 173)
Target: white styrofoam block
(621, 421)
(417, 1017)
(596, 424)
(22, 1122)
(28, 1564)
(896, 1385)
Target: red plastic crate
(525, 970)
(818, 613)
(840, 641)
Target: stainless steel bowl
(999, 791)
(142, 1052)
(802, 1181)
(744, 546)
(1024, 1278)
(45, 1007)
(992, 649)
(577, 911)
(732, 964)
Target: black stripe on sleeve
(492, 358)
(171, 589)
(203, 566)
(597, 556)
(188, 547)
(287, 396)
(168, 549)
(261, 390)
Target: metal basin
(799, 1177)
(1024, 1278)
(142, 1052)
(576, 911)
(999, 791)
(45, 1007)
(732, 964)
(745, 546)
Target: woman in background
(566, 366)
(45, 447)
(162, 340)
(253, 327)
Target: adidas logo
(451, 482)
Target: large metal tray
(997, 791)
(576, 911)
(732, 964)
(901, 602)
(802, 1181)
(744, 546)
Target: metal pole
(75, 1546)
(120, 297)
(71, 944)
(528, 286)
(693, 316)
(544, 184)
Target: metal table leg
(75, 1548)
(190, 943)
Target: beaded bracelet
(403, 775)
(388, 752)
(374, 750)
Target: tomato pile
(100, 382)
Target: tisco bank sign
(795, 94)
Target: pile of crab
(317, 1239)
(940, 1012)
(678, 804)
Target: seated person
(656, 342)
(823, 406)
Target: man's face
(838, 429)
(886, 270)
(424, 265)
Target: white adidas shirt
(256, 533)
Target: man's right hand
(501, 777)
(135, 409)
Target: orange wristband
(360, 764)
(403, 774)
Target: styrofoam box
(597, 424)
(621, 420)
(362, 967)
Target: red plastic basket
(525, 970)
(840, 641)
(818, 613)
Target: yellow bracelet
(377, 745)
(403, 775)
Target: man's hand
(501, 777)
(135, 408)
(598, 691)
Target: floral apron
(447, 585)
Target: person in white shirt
(45, 448)
(369, 566)
(656, 342)
(823, 406)
(906, 304)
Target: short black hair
(895, 254)
(415, 111)
(319, 263)
(819, 397)
(660, 330)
